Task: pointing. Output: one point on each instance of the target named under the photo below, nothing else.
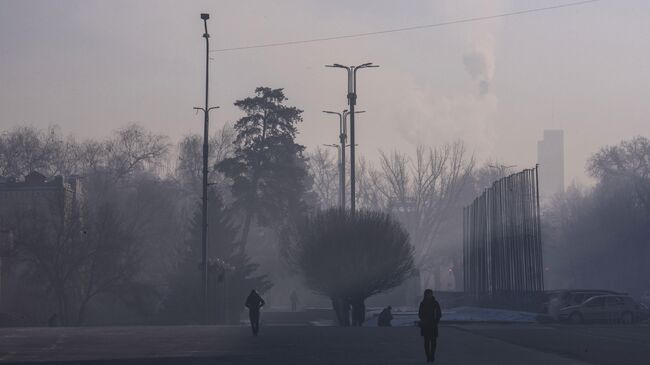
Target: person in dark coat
(429, 314)
(254, 302)
(294, 301)
(53, 321)
(384, 318)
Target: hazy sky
(92, 66)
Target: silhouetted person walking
(429, 314)
(384, 318)
(53, 321)
(254, 302)
(294, 301)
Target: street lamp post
(340, 151)
(204, 207)
(352, 100)
(343, 137)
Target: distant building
(550, 157)
(34, 198)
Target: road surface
(458, 344)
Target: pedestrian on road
(384, 318)
(53, 321)
(294, 301)
(254, 302)
(429, 314)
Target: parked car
(618, 308)
(565, 298)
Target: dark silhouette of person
(384, 318)
(294, 301)
(254, 302)
(429, 314)
(53, 321)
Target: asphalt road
(594, 343)
(463, 344)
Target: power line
(406, 29)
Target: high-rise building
(550, 157)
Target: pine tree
(268, 170)
(232, 274)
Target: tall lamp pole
(343, 137)
(340, 151)
(352, 100)
(204, 207)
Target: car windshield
(594, 302)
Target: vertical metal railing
(502, 246)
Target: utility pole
(352, 101)
(204, 206)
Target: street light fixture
(204, 208)
(352, 100)
(343, 136)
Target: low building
(34, 200)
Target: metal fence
(502, 247)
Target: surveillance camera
(205, 16)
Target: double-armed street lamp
(352, 100)
(204, 207)
(340, 149)
(343, 136)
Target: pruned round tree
(350, 258)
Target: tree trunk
(81, 314)
(246, 229)
(358, 312)
(436, 278)
(342, 310)
(337, 311)
(62, 306)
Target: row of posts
(502, 247)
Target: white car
(610, 308)
(564, 298)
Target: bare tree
(126, 210)
(325, 172)
(423, 192)
(368, 196)
(487, 174)
(133, 149)
(73, 259)
(190, 159)
(630, 160)
(130, 149)
(27, 149)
